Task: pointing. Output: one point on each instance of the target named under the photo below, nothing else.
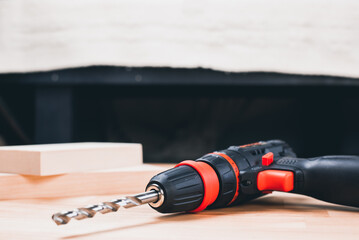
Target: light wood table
(275, 216)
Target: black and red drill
(236, 175)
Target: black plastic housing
(332, 179)
(245, 157)
(183, 187)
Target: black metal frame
(54, 90)
(106, 75)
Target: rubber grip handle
(333, 179)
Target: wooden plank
(115, 181)
(278, 216)
(50, 159)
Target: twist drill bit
(153, 195)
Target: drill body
(241, 173)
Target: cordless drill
(236, 175)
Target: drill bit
(153, 195)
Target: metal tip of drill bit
(151, 196)
(60, 218)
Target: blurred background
(181, 77)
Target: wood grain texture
(115, 181)
(276, 216)
(51, 159)
(303, 37)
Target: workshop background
(181, 77)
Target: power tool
(236, 175)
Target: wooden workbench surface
(276, 216)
